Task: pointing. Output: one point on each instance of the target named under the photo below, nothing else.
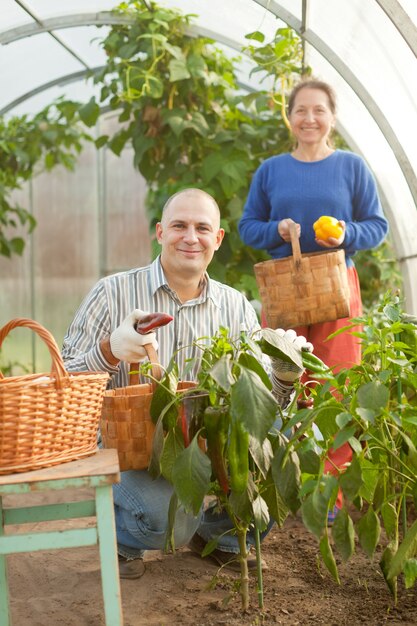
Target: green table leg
(108, 556)
(4, 589)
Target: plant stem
(244, 572)
(260, 586)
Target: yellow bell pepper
(326, 227)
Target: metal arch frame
(62, 80)
(404, 25)
(102, 18)
(401, 21)
(343, 70)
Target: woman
(301, 186)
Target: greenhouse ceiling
(367, 49)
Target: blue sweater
(340, 185)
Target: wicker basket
(303, 289)
(126, 423)
(46, 419)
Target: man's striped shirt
(114, 297)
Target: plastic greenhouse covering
(366, 49)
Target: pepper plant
(219, 439)
(372, 406)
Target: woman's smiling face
(311, 117)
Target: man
(102, 337)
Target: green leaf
(261, 453)
(406, 550)
(174, 51)
(370, 475)
(410, 572)
(351, 480)
(287, 477)
(178, 70)
(385, 564)
(409, 449)
(309, 461)
(199, 124)
(90, 112)
(17, 245)
(101, 141)
(211, 166)
(390, 519)
(314, 513)
(118, 141)
(177, 124)
(325, 418)
(253, 404)
(343, 534)
(256, 35)
(221, 372)
(241, 503)
(328, 558)
(277, 346)
(343, 436)
(173, 446)
(155, 87)
(260, 513)
(392, 313)
(191, 474)
(369, 530)
(373, 396)
(163, 396)
(277, 509)
(172, 512)
(197, 66)
(157, 446)
(251, 362)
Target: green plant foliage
(29, 145)
(271, 472)
(188, 122)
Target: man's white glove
(284, 370)
(127, 344)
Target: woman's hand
(332, 242)
(284, 229)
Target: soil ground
(63, 588)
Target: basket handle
(295, 244)
(58, 370)
(153, 359)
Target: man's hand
(126, 343)
(284, 370)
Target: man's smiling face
(189, 234)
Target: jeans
(141, 510)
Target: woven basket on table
(303, 289)
(46, 419)
(126, 422)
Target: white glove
(127, 344)
(284, 370)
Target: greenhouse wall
(90, 223)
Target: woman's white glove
(284, 370)
(127, 344)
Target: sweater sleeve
(256, 229)
(368, 227)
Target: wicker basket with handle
(303, 289)
(126, 422)
(46, 419)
